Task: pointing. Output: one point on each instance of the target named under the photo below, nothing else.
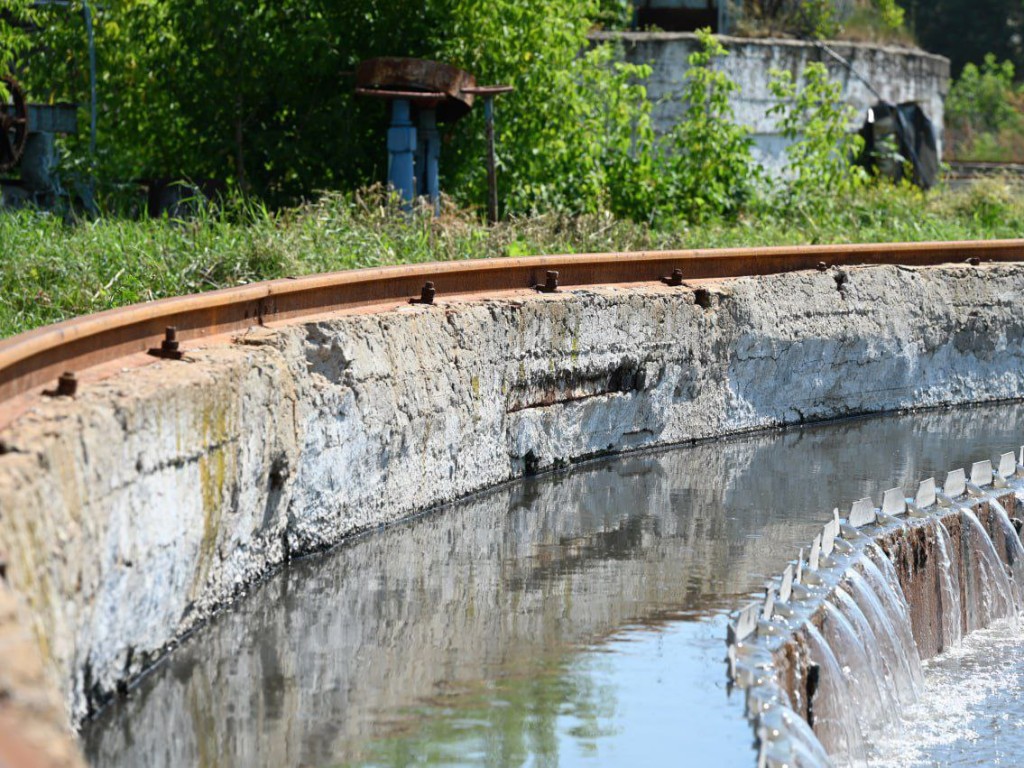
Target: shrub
(817, 121)
(984, 113)
(710, 169)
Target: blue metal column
(430, 158)
(402, 150)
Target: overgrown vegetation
(260, 94)
(50, 270)
(583, 169)
(985, 113)
(817, 121)
(874, 20)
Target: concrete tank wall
(898, 74)
(132, 512)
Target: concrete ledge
(131, 513)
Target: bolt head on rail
(427, 294)
(676, 278)
(550, 282)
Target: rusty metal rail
(38, 357)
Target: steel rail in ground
(38, 357)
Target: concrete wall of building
(132, 512)
(898, 74)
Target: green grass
(51, 270)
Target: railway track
(35, 359)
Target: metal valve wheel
(13, 125)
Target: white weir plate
(786, 587)
(925, 494)
(956, 484)
(862, 512)
(1007, 465)
(894, 502)
(981, 473)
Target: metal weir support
(422, 94)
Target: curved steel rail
(37, 357)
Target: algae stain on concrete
(216, 465)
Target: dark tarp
(899, 136)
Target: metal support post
(429, 158)
(487, 93)
(402, 150)
(492, 162)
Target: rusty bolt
(550, 282)
(426, 295)
(676, 278)
(170, 342)
(169, 348)
(67, 384)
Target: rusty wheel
(13, 125)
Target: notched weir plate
(956, 483)
(862, 512)
(786, 587)
(812, 559)
(981, 473)
(925, 494)
(746, 622)
(828, 539)
(1007, 465)
(893, 502)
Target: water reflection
(570, 619)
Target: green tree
(965, 30)
(985, 113)
(575, 135)
(15, 16)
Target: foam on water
(971, 712)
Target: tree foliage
(817, 121)
(260, 93)
(712, 170)
(965, 30)
(15, 16)
(985, 113)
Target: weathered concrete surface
(33, 730)
(131, 513)
(899, 74)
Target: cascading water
(861, 666)
(850, 627)
(951, 610)
(989, 593)
(901, 664)
(1013, 550)
(832, 701)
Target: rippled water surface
(575, 619)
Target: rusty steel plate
(412, 75)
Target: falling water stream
(579, 619)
